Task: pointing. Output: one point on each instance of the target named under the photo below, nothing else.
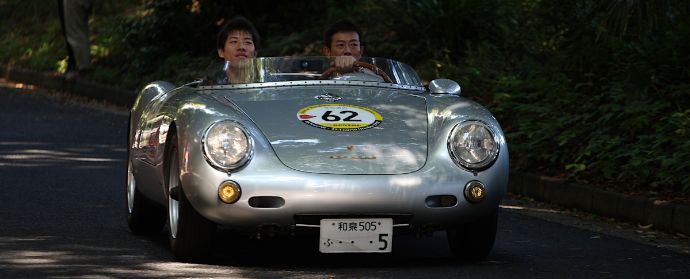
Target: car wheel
(474, 241)
(144, 217)
(191, 235)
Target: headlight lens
(472, 145)
(226, 145)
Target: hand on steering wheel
(328, 73)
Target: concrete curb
(84, 88)
(664, 216)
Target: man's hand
(344, 62)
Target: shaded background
(593, 91)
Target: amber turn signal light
(229, 191)
(475, 191)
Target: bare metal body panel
(392, 168)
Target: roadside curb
(84, 88)
(664, 216)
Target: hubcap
(173, 205)
(131, 187)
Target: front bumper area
(290, 199)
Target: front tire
(474, 241)
(190, 234)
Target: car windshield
(282, 69)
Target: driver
(343, 42)
(237, 42)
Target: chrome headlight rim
(240, 163)
(484, 164)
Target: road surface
(62, 215)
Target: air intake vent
(266, 202)
(441, 201)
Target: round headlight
(226, 145)
(472, 145)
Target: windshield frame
(299, 70)
(312, 82)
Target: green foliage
(597, 105)
(597, 91)
(34, 45)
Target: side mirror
(444, 86)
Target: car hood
(340, 129)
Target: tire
(144, 217)
(474, 241)
(190, 234)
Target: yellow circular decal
(339, 117)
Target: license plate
(370, 235)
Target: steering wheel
(328, 73)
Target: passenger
(236, 42)
(343, 42)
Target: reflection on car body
(293, 147)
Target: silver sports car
(289, 145)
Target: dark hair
(343, 25)
(238, 23)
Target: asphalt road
(62, 215)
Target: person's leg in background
(76, 26)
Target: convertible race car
(290, 145)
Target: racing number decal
(339, 117)
(329, 116)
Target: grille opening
(266, 202)
(441, 201)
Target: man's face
(238, 46)
(344, 44)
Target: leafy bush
(590, 103)
(597, 91)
